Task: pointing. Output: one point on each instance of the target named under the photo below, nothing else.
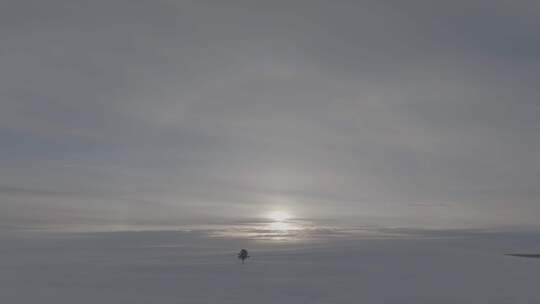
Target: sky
(149, 112)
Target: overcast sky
(411, 113)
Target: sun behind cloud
(279, 216)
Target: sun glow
(277, 225)
(279, 216)
(280, 227)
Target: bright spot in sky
(282, 227)
(279, 216)
(279, 225)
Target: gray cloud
(420, 112)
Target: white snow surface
(194, 267)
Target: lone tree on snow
(243, 255)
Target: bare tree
(243, 255)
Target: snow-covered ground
(195, 267)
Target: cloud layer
(419, 113)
